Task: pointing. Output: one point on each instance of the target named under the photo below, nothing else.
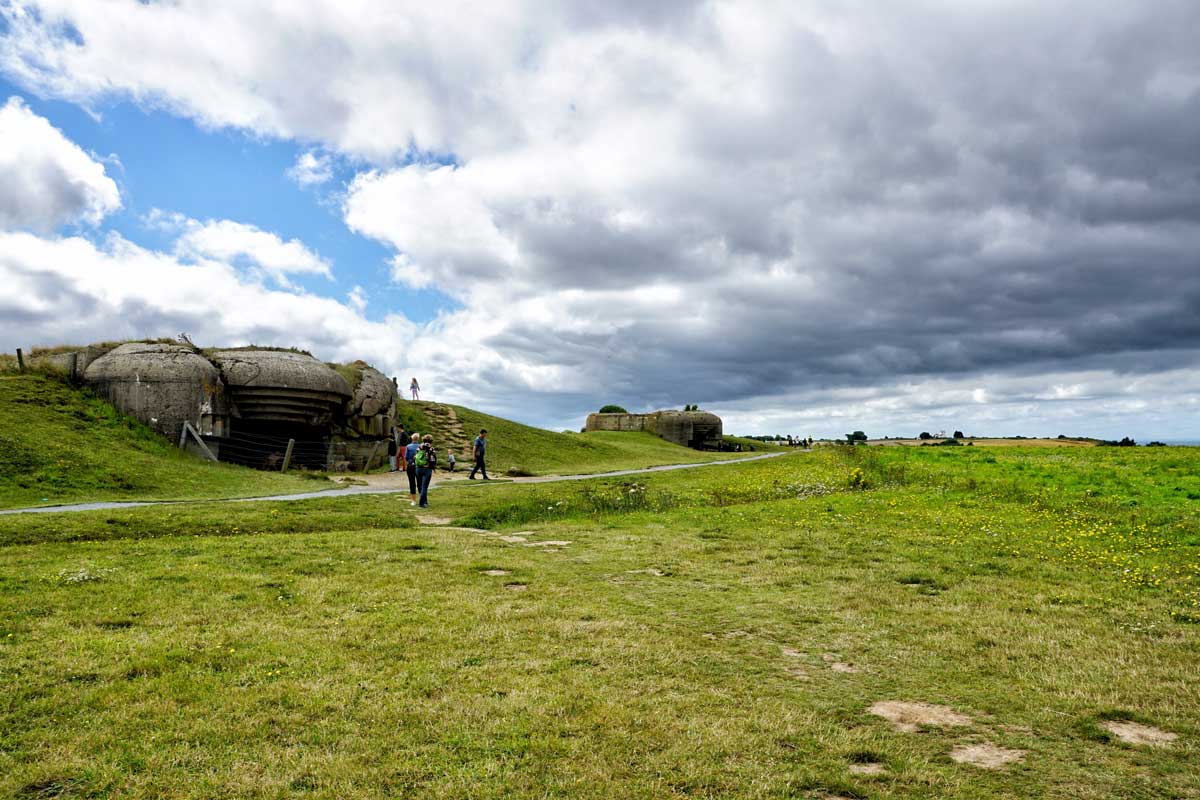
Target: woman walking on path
(410, 466)
(426, 459)
(415, 388)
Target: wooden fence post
(187, 428)
(287, 457)
(20, 360)
(370, 458)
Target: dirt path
(378, 483)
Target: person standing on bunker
(410, 466)
(480, 450)
(426, 461)
(415, 388)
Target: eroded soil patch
(986, 755)
(910, 717)
(1137, 733)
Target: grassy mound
(520, 449)
(59, 444)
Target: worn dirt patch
(870, 768)
(840, 666)
(791, 652)
(513, 539)
(495, 573)
(515, 587)
(429, 519)
(909, 717)
(986, 755)
(658, 573)
(1137, 733)
(548, 543)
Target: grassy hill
(59, 444)
(532, 451)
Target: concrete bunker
(163, 385)
(245, 404)
(276, 396)
(698, 430)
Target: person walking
(426, 460)
(415, 388)
(410, 466)
(480, 450)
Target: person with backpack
(480, 450)
(410, 466)
(426, 461)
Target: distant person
(426, 461)
(415, 388)
(402, 437)
(410, 466)
(479, 451)
(393, 448)
(450, 460)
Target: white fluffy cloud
(311, 169)
(265, 254)
(46, 180)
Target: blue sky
(171, 164)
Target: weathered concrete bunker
(247, 404)
(699, 430)
(163, 385)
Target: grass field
(717, 632)
(59, 444)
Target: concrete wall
(697, 429)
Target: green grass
(682, 645)
(533, 451)
(59, 444)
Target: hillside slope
(534, 451)
(59, 444)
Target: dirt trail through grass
(386, 483)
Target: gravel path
(387, 483)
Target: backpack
(425, 457)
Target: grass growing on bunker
(60, 444)
(750, 630)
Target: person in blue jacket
(426, 459)
(410, 466)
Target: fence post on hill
(287, 457)
(20, 360)
(370, 458)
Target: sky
(809, 218)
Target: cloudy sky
(808, 217)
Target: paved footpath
(391, 486)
